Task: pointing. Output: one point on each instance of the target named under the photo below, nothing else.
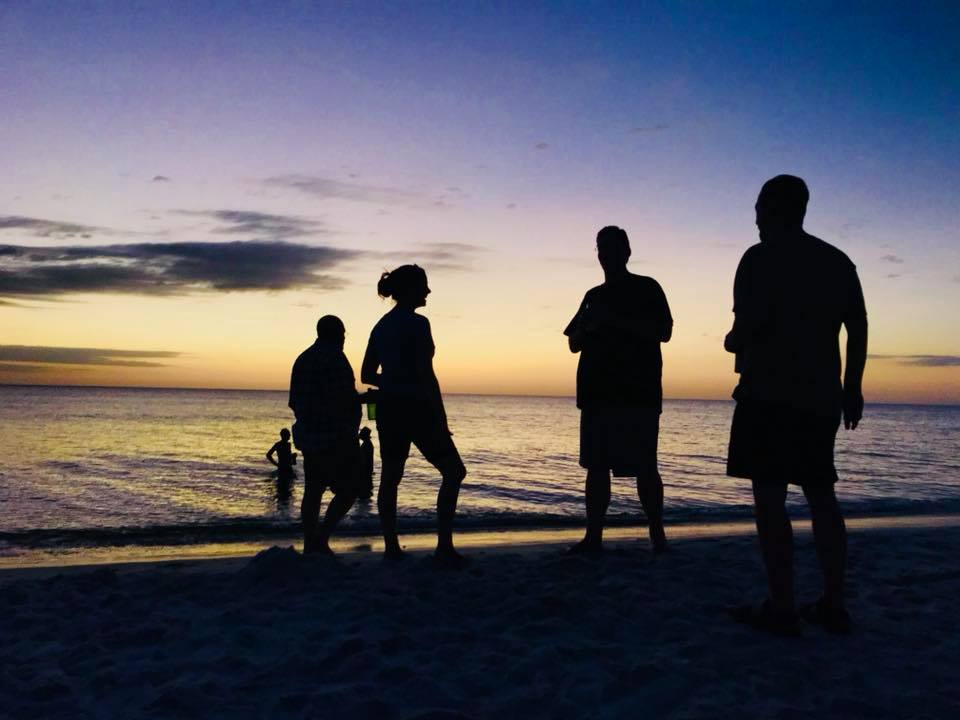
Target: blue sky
(514, 129)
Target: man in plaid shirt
(324, 398)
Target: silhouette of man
(324, 398)
(617, 331)
(792, 293)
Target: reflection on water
(90, 457)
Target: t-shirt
(324, 397)
(621, 365)
(790, 299)
(403, 343)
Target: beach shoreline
(418, 541)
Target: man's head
(330, 329)
(781, 206)
(613, 248)
(284, 434)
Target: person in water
(617, 331)
(324, 398)
(399, 361)
(285, 457)
(366, 465)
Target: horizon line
(473, 394)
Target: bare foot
(447, 557)
(585, 547)
(658, 539)
(393, 554)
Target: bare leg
(830, 538)
(597, 500)
(453, 474)
(336, 510)
(650, 492)
(390, 476)
(310, 504)
(776, 542)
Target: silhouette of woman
(410, 407)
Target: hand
(852, 407)
(731, 343)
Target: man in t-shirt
(792, 293)
(617, 331)
(324, 398)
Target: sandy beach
(524, 632)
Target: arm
(856, 324)
(575, 330)
(368, 369)
(270, 454)
(752, 306)
(427, 378)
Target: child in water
(285, 456)
(366, 465)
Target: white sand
(521, 634)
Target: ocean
(104, 466)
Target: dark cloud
(541, 146)
(330, 188)
(84, 356)
(39, 227)
(9, 368)
(160, 179)
(922, 360)
(895, 259)
(657, 127)
(258, 224)
(169, 268)
(893, 276)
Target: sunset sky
(187, 187)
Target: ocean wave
(251, 529)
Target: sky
(187, 187)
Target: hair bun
(384, 286)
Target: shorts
(621, 439)
(338, 471)
(399, 428)
(774, 443)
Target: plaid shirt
(324, 398)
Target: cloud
(83, 356)
(893, 276)
(329, 188)
(921, 360)
(7, 368)
(895, 259)
(438, 256)
(39, 227)
(657, 127)
(258, 224)
(541, 146)
(169, 268)
(161, 179)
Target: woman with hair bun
(399, 361)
